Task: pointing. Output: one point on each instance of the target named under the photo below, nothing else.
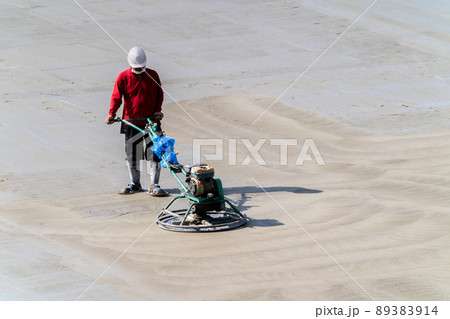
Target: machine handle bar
(118, 119)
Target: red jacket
(142, 97)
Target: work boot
(131, 189)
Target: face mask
(138, 72)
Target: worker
(140, 89)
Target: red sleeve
(116, 97)
(159, 94)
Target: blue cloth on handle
(162, 144)
(163, 148)
(170, 158)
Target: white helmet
(136, 58)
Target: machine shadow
(245, 190)
(257, 190)
(268, 222)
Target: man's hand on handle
(159, 116)
(109, 119)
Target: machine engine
(200, 181)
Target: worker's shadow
(253, 190)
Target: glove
(109, 119)
(158, 116)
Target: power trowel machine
(208, 209)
